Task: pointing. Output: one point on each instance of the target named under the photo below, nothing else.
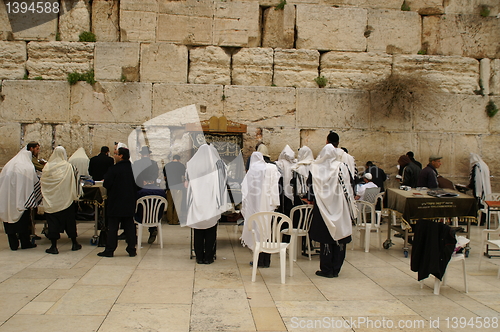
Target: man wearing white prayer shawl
(60, 189)
(80, 160)
(286, 161)
(260, 193)
(479, 180)
(333, 211)
(207, 198)
(333, 138)
(19, 191)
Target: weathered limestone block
(111, 102)
(163, 62)
(443, 73)
(209, 65)
(463, 145)
(495, 77)
(354, 70)
(446, 112)
(5, 28)
(13, 55)
(426, 7)
(261, 106)
(28, 101)
(329, 28)
(105, 20)
(253, 66)
(329, 108)
(296, 68)
(389, 113)
(169, 97)
(471, 6)
(114, 61)
(74, 19)
(437, 143)
(137, 26)
(377, 4)
(275, 139)
(279, 27)
(55, 60)
(73, 136)
(237, 24)
(41, 133)
(200, 8)
(484, 75)
(11, 141)
(385, 32)
(489, 153)
(31, 26)
(107, 134)
(465, 35)
(494, 127)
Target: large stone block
(110, 102)
(385, 32)
(253, 66)
(390, 112)
(329, 28)
(465, 35)
(163, 62)
(114, 61)
(28, 101)
(105, 20)
(196, 8)
(494, 126)
(55, 60)
(297, 68)
(5, 28)
(463, 145)
(187, 30)
(331, 108)
(11, 141)
(279, 27)
(169, 97)
(209, 65)
(275, 139)
(137, 26)
(426, 7)
(495, 77)
(13, 55)
(106, 134)
(260, 106)
(471, 6)
(31, 26)
(73, 136)
(237, 24)
(437, 143)
(43, 134)
(74, 19)
(489, 153)
(354, 70)
(445, 73)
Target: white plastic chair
(153, 207)
(495, 242)
(304, 216)
(437, 283)
(266, 228)
(365, 225)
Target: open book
(441, 193)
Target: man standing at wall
(34, 147)
(99, 165)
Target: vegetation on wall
(491, 109)
(87, 77)
(281, 5)
(86, 36)
(485, 11)
(405, 7)
(321, 81)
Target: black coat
(122, 191)
(99, 165)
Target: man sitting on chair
(361, 188)
(149, 188)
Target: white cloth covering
(302, 168)
(17, 182)
(347, 159)
(285, 163)
(333, 192)
(207, 195)
(260, 192)
(362, 188)
(80, 160)
(60, 186)
(481, 178)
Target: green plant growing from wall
(491, 109)
(76, 77)
(86, 36)
(58, 36)
(281, 5)
(38, 78)
(321, 81)
(405, 7)
(123, 78)
(485, 11)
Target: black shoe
(29, 246)
(208, 261)
(122, 236)
(323, 274)
(76, 246)
(152, 237)
(52, 250)
(36, 237)
(200, 261)
(105, 254)
(132, 253)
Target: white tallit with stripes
(81, 161)
(285, 163)
(302, 168)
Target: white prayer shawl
(302, 168)
(481, 178)
(17, 182)
(80, 160)
(333, 192)
(60, 186)
(361, 188)
(207, 195)
(260, 192)
(347, 159)
(285, 163)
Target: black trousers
(127, 223)
(204, 243)
(61, 221)
(331, 257)
(19, 231)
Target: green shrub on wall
(86, 36)
(491, 109)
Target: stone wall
(259, 66)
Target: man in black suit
(120, 206)
(98, 165)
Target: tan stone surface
(169, 97)
(262, 106)
(495, 77)
(163, 62)
(74, 136)
(107, 134)
(11, 141)
(110, 102)
(484, 75)
(74, 19)
(279, 27)
(36, 26)
(328, 28)
(209, 65)
(253, 66)
(470, 6)
(465, 35)
(109, 66)
(297, 68)
(41, 133)
(331, 108)
(426, 7)
(105, 20)
(437, 143)
(463, 145)
(28, 101)
(137, 26)
(200, 8)
(275, 139)
(5, 28)
(55, 60)
(354, 70)
(237, 24)
(387, 34)
(187, 30)
(13, 55)
(448, 73)
(494, 126)
(384, 117)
